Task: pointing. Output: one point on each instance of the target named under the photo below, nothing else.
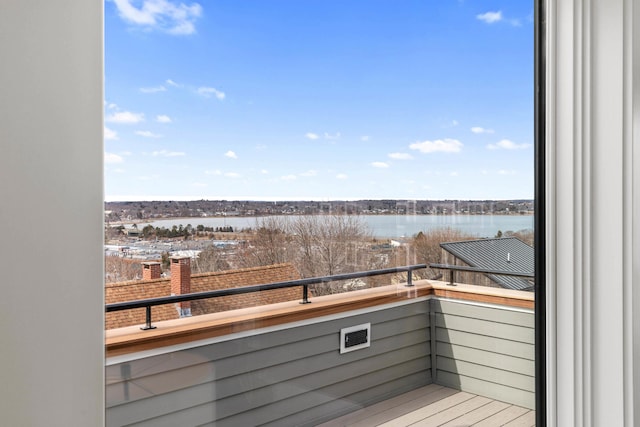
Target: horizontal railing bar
(481, 270)
(255, 288)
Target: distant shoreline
(192, 218)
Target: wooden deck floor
(436, 405)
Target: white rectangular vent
(355, 338)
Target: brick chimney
(151, 270)
(181, 282)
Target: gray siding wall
(484, 350)
(290, 377)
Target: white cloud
(153, 89)
(506, 172)
(213, 172)
(288, 178)
(505, 144)
(166, 153)
(342, 176)
(446, 145)
(332, 137)
(110, 134)
(163, 119)
(111, 158)
(309, 173)
(232, 175)
(230, 154)
(381, 165)
(162, 15)
(172, 83)
(454, 173)
(400, 156)
(311, 135)
(208, 91)
(148, 134)
(364, 138)
(478, 129)
(199, 184)
(264, 172)
(125, 117)
(490, 17)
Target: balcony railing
(453, 268)
(148, 303)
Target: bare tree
(210, 259)
(329, 245)
(118, 269)
(527, 236)
(425, 247)
(270, 244)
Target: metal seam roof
(506, 253)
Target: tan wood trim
(180, 331)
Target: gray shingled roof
(506, 254)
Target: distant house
(183, 282)
(133, 232)
(503, 254)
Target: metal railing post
(305, 295)
(409, 278)
(148, 320)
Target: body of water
(384, 226)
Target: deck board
(437, 406)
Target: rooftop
(155, 288)
(506, 254)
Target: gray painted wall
(291, 377)
(52, 305)
(484, 350)
(296, 376)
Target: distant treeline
(181, 231)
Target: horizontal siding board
(484, 327)
(249, 390)
(482, 342)
(499, 392)
(385, 321)
(503, 361)
(222, 385)
(495, 314)
(485, 373)
(328, 393)
(211, 413)
(335, 407)
(275, 364)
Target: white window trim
(592, 234)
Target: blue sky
(318, 99)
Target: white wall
(51, 308)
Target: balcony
(282, 364)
